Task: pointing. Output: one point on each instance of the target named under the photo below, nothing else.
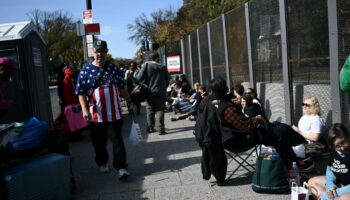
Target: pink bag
(74, 117)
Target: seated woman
(238, 92)
(182, 103)
(336, 183)
(309, 126)
(239, 133)
(251, 109)
(251, 92)
(195, 100)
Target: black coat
(208, 135)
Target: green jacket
(344, 78)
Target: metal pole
(88, 5)
(85, 48)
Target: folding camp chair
(241, 159)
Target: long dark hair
(335, 131)
(218, 88)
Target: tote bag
(270, 176)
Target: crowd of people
(241, 116)
(100, 84)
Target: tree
(166, 25)
(62, 43)
(145, 29)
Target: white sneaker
(123, 174)
(104, 168)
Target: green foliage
(144, 28)
(166, 25)
(122, 62)
(62, 43)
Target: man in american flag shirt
(99, 86)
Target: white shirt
(311, 124)
(308, 124)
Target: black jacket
(208, 135)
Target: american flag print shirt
(101, 86)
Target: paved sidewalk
(161, 167)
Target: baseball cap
(100, 45)
(8, 62)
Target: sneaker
(191, 118)
(150, 130)
(123, 174)
(173, 118)
(162, 133)
(104, 168)
(306, 165)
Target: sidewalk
(161, 167)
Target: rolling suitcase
(46, 177)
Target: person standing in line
(156, 77)
(99, 86)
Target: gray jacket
(155, 76)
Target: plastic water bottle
(274, 155)
(294, 175)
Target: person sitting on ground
(195, 100)
(310, 125)
(184, 84)
(238, 92)
(251, 109)
(252, 92)
(182, 102)
(240, 133)
(336, 183)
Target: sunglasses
(101, 50)
(305, 104)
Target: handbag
(140, 93)
(75, 118)
(270, 176)
(135, 136)
(300, 192)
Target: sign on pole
(87, 17)
(173, 63)
(92, 29)
(87, 21)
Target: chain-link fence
(282, 48)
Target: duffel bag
(33, 135)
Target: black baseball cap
(100, 45)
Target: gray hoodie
(155, 76)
